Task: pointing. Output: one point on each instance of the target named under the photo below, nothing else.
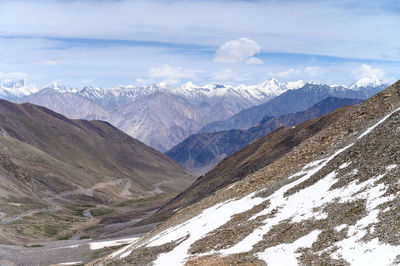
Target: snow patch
(70, 263)
(197, 227)
(285, 254)
(344, 165)
(377, 124)
(112, 243)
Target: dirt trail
(54, 207)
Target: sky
(109, 42)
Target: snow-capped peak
(189, 85)
(16, 89)
(292, 85)
(270, 84)
(366, 82)
(62, 89)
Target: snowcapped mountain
(161, 115)
(254, 94)
(332, 200)
(292, 101)
(366, 82)
(12, 90)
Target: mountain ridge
(207, 149)
(290, 102)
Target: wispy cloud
(172, 74)
(254, 61)
(13, 75)
(368, 71)
(227, 75)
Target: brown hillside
(51, 163)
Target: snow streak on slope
(298, 207)
(111, 243)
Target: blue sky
(107, 43)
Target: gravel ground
(52, 253)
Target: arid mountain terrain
(250, 159)
(158, 115)
(62, 178)
(162, 116)
(294, 101)
(201, 152)
(330, 200)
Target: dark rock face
(201, 152)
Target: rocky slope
(331, 200)
(248, 160)
(57, 173)
(201, 152)
(294, 101)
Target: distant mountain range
(294, 101)
(201, 152)
(162, 116)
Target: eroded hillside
(62, 178)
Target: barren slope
(332, 200)
(248, 160)
(52, 169)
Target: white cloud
(236, 51)
(50, 62)
(13, 75)
(312, 71)
(308, 72)
(172, 74)
(254, 61)
(367, 71)
(289, 73)
(227, 74)
(142, 82)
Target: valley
(72, 179)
